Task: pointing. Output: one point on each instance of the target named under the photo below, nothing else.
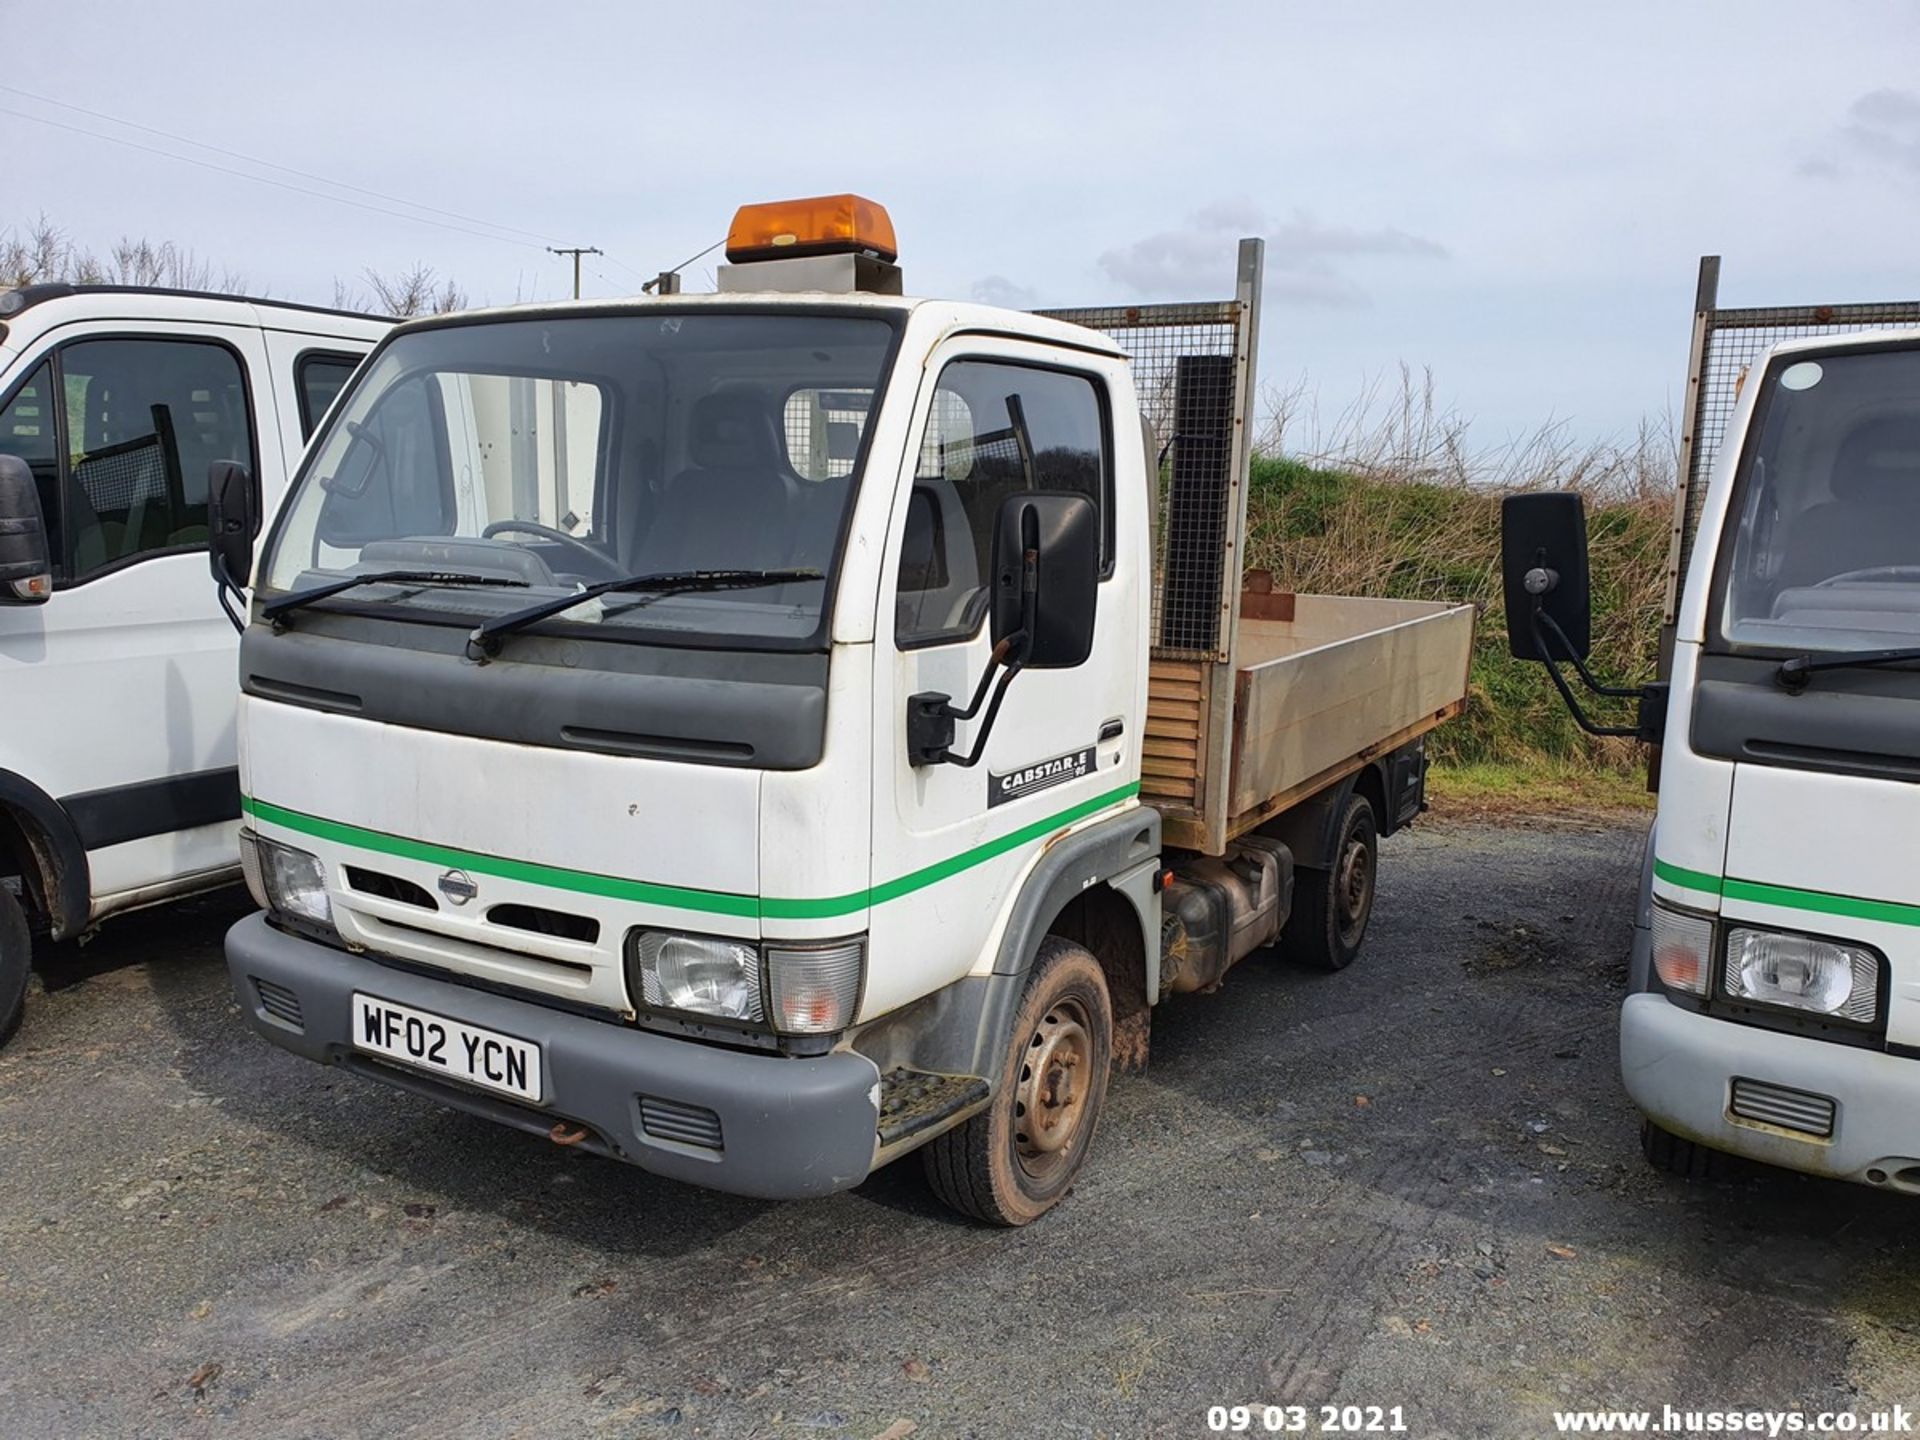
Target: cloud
(1304, 256)
(999, 290)
(1884, 125)
(1882, 129)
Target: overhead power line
(265, 164)
(452, 220)
(266, 180)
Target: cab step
(914, 1101)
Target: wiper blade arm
(1796, 671)
(485, 639)
(287, 604)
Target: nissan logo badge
(458, 886)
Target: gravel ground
(1416, 1183)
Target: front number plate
(446, 1047)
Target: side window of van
(142, 420)
(320, 376)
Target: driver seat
(729, 509)
(1874, 516)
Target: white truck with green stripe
(1775, 988)
(760, 735)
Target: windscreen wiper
(485, 639)
(287, 604)
(1796, 671)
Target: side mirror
(26, 564)
(1046, 578)
(1543, 563)
(1045, 586)
(230, 523)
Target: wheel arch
(1098, 887)
(39, 843)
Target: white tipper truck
(759, 735)
(1774, 1005)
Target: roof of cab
(16, 302)
(1848, 339)
(955, 314)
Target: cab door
(121, 686)
(995, 417)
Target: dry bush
(42, 252)
(402, 294)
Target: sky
(1512, 197)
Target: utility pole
(576, 251)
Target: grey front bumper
(786, 1128)
(1679, 1066)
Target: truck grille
(1800, 1110)
(679, 1122)
(390, 887)
(279, 1002)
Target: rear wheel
(1331, 907)
(1668, 1152)
(1014, 1161)
(16, 959)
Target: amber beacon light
(822, 225)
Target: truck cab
(118, 770)
(711, 730)
(1775, 1011)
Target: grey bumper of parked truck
(781, 1128)
(1682, 1069)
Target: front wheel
(16, 959)
(1331, 907)
(1675, 1155)
(1013, 1162)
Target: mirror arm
(1623, 692)
(967, 762)
(1650, 722)
(931, 716)
(994, 661)
(227, 592)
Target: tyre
(1014, 1161)
(1331, 907)
(16, 959)
(1668, 1152)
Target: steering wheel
(560, 537)
(1872, 572)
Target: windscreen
(546, 455)
(1825, 551)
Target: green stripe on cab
(707, 902)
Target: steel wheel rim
(1052, 1089)
(1354, 886)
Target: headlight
(1771, 967)
(701, 974)
(285, 880)
(815, 989)
(807, 989)
(1682, 945)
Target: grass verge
(1535, 787)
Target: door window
(995, 429)
(142, 421)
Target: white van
(117, 764)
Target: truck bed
(1321, 684)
